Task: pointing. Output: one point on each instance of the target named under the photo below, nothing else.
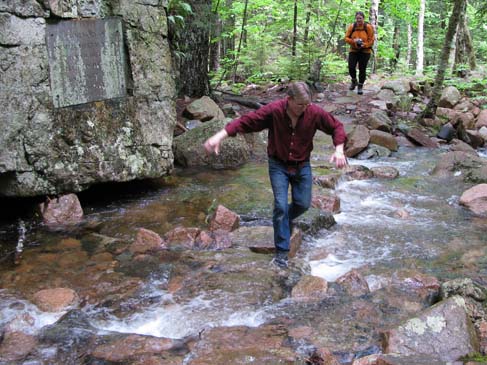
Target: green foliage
(268, 34)
(177, 11)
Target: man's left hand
(339, 159)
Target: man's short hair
(299, 89)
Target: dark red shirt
(286, 143)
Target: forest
(253, 41)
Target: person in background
(291, 123)
(360, 37)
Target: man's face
(298, 104)
(359, 19)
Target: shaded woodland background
(234, 42)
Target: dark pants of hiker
(362, 59)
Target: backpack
(355, 26)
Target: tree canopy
(254, 40)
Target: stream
(411, 222)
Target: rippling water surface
(381, 223)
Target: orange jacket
(366, 35)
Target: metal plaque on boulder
(86, 60)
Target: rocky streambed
(389, 269)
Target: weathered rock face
(48, 148)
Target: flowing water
(412, 221)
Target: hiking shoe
(360, 90)
(280, 259)
(353, 85)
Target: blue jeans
(284, 212)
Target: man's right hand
(212, 144)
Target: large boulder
(379, 120)
(50, 147)
(383, 139)
(204, 109)
(481, 119)
(475, 199)
(467, 166)
(61, 211)
(189, 151)
(443, 331)
(449, 97)
(358, 140)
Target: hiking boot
(353, 85)
(360, 90)
(280, 259)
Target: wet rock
(326, 181)
(260, 239)
(447, 132)
(373, 151)
(469, 167)
(222, 239)
(354, 283)
(420, 138)
(224, 219)
(449, 114)
(398, 359)
(467, 119)
(63, 210)
(457, 145)
(70, 337)
(182, 236)
(464, 287)
(203, 109)
(15, 346)
(434, 333)
(310, 288)
(330, 203)
(383, 139)
(450, 96)
(189, 151)
(314, 220)
(358, 140)
(424, 287)
(147, 240)
(205, 240)
(128, 347)
(475, 139)
(55, 300)
(236, 345)
(323, 356)
(385, 172)
(475, 199)
(379, 121)
(481, 119)
(358, 172)
(483, 133)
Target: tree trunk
(420, 51)
(242, 34)
(295, 28)
(373, 19)
(464, 53)
(215, 40)
(410, 46)
(228, 45)
(430, 109)
(194, 43)
(395, 46)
